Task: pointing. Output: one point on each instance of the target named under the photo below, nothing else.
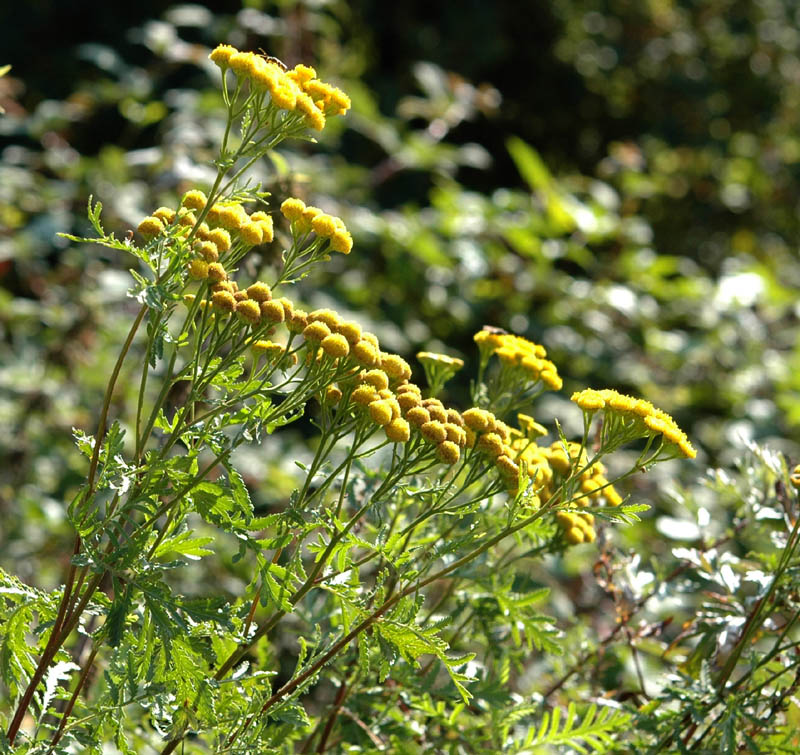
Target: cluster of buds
(305, 219)
(627, 418)
(519, 357)
(297, 91)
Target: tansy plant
(330, 629)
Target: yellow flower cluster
(296, 91)
(636, 414)
(307, 218)
(519, 355)
(226, 225)
(578, 527)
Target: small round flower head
(220, 238)
(378, 379)
(455, 434)
(222, 54)
(304, 221)
(794, 478)
(333, 394)
(351, 331)
(186, 218)
(202, 232)
(165, 214)
(240, 63)
(288, 306)
(298, 321)
(223, 301)
(335, 345)
(233, 217)
(328, 316)
(150, 227)
(342, 242)
(316, 331)
(251, 233)
(433, 431)
(317, 90)
(264, 222)
(272, 311)
(207, 250)
(408, 400)
(198, 269)
(380, 412)
(213, 213)
(477, 420)
(366, 354)
(574, 536)
(265, 77)
(249, 311)
(372, 338)
(324, 225)
(438, 413)
(337, 102)
(259, 291)
(507, 467)
(398, 430)
(448, 452)
(302, 74)
(293, 208)
(491, 444)
(225, 285)
(418, 416)
(364, 395)
(284, 97)
(216, 272)
(194, 200)
(454, 416)
(313, 116)
(395, 366)
(240, 295)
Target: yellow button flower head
(342, 242)
(448, 452)
(794, 478)
(408, 400)
(395, 366)
(207, 250)
(366, 354)
(198, 269)
(324, 225)
(259, 291)
(251, 233)
(293, 208)
(216, 272)
(329, 316)
(165, 214)
(265, 222)
(221, 238)
(249, 311)
(233, 217)
(194, 200)
(333, 394)
(240, 63)
(478, 420)
(284, 97)
(380, 412)
(151, 227)
(316, 331)
(301, 74)
(224, 301)
(364, 395)
(221, 55)
(530, 427)
(351, 331)
(335, 345)
(398, 430)
(418, 416)
(432, 431)
(491, 444)
(272, 311)
(378, 379)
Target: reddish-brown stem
(71, 704)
